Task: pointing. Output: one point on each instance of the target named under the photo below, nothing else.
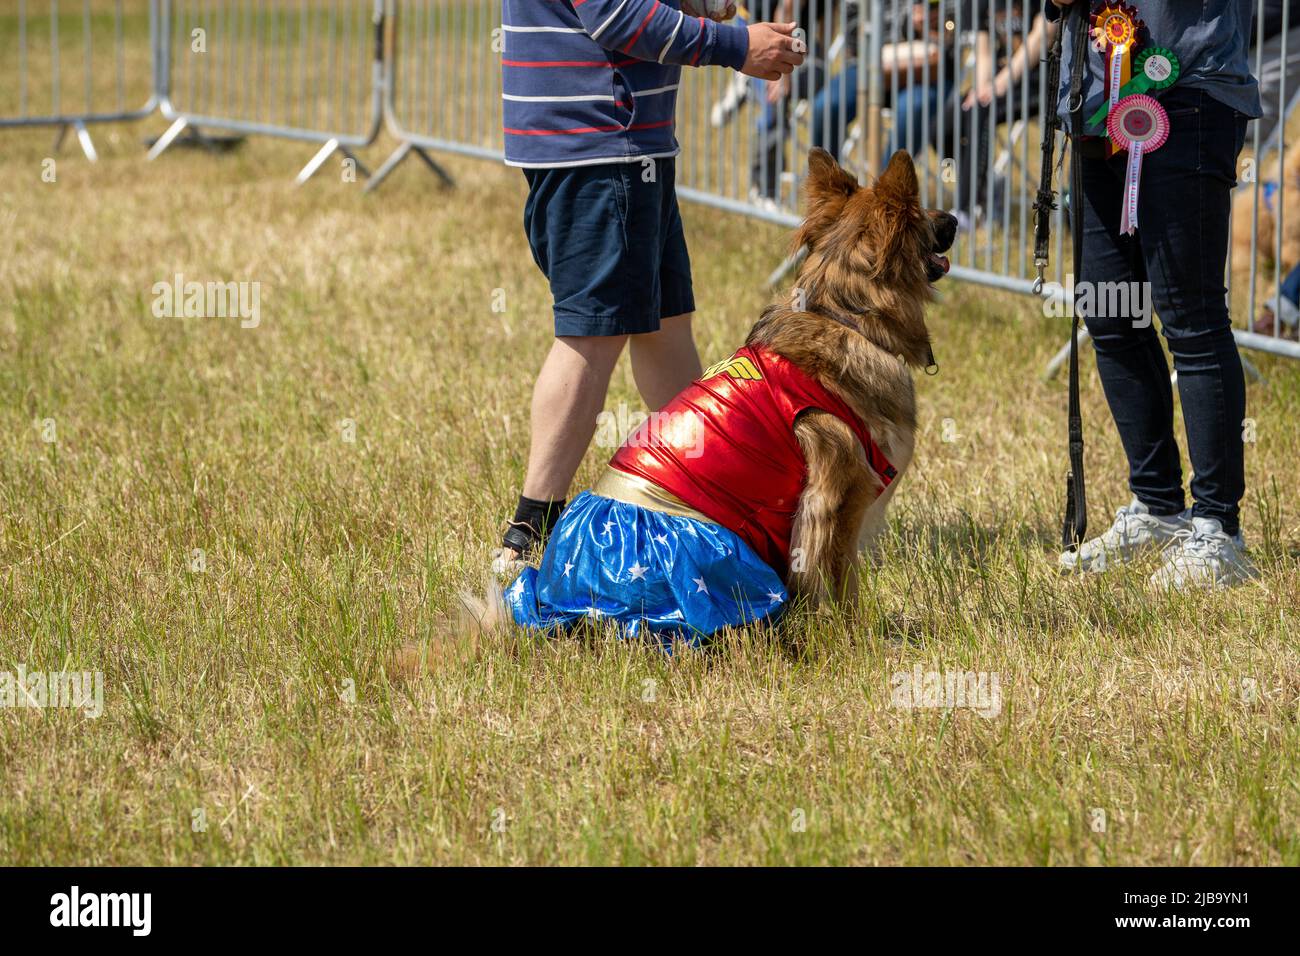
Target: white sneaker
(1205, 556)
(1136, 532)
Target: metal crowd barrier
(960, 85)
(442, 88)
(743, 150)
(307, 71)
(75, 64)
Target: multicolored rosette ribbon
(1155, 68)
(1139, 124)
(1115, 30)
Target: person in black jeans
(1180, 249)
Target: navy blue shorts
(611, 245)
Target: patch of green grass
(251, 696)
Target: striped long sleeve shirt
(595, 81)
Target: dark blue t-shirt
(1211, 40)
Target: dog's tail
(459, 636)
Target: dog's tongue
(942, 260)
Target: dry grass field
(238, 526)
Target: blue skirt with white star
(656, 574)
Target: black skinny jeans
(1181, 248)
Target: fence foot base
(194, 137)
(399, 156)
(166, 139)
(323, 154)
(87, 144)
(362, 168)
(313, 166)
(83, 139)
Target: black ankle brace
(532, 522)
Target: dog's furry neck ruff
(874, 380)
(888, 315)
(931, 366)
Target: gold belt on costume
(635, 490)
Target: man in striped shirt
(590, 90)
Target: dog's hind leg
(899, 452)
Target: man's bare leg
(665, 362)
(569, 395)
(567, 398)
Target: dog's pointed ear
(827, 179)
(827, 188)
(899, 178)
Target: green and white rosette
(1156, 68)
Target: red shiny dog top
(726, 447)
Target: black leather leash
(1045, 202)
(1074, 526)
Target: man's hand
(774, 51)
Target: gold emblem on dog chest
(737, 367)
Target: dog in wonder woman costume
(766, 478)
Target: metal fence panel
(958, 84)
(442, 88)
(73, 64)
(308, 71)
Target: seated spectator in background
(910, 63)
(920, 74)
(820, 21)
(1285, 305)
(1004, 89)
(923, 74)
(773, 102)
(1271, 194)
(833, 98)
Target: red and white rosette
(1139, 124)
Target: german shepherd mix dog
(766, 478)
